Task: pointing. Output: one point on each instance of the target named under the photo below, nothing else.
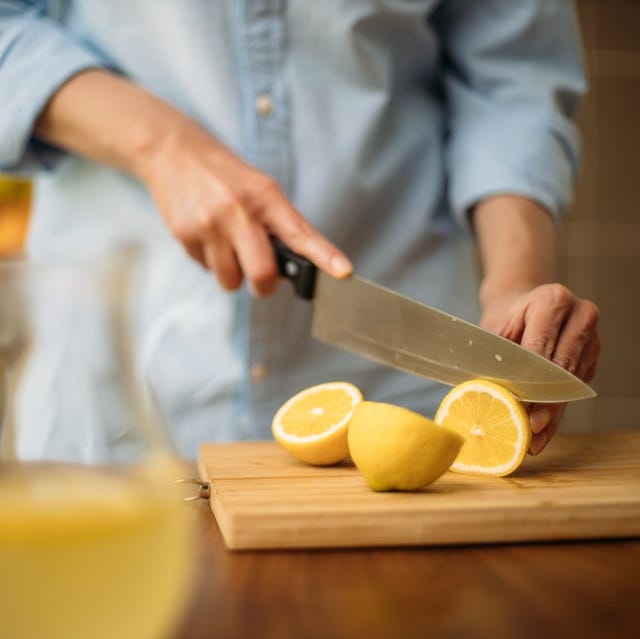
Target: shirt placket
(262, 36)
(266, 114)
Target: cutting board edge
(255, 531)
(247, 533)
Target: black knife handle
(297, 269)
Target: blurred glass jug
(94, 542)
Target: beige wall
(599, 248)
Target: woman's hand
(221, 209)
(516, 240)
(552, 322)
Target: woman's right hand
(218, 207)
(223, 211)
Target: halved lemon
(312, 425)
(397, 449)
(494, 424)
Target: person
(392, 138)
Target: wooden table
(542, 590)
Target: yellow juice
(15, 212)
(90, 554)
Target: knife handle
(297, 269)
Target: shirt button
(264, 104)
(258, 372)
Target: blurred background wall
(599, 242)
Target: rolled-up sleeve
(513, 78)
(37, 56)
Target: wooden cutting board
(582, 486)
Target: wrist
(496, 290)
(156, 136)
(516, 241)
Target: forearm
(106, 118)
(220, 208)
(516, 240)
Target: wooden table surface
(568, 589)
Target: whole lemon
(397, 449)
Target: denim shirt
(384, 121)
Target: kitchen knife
(365, 318)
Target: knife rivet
(291, 268)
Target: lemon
(312, 425)
(397, 449)
(494, 424)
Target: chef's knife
(363, 317)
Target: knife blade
(363, 317)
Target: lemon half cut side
(312, 425)
(494, 424)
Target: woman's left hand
(553, 322)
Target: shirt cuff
(517, 158)
(37, 62)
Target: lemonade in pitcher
(90, 554)
(94, 540)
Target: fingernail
(340, 266)
(539, 420)
(537, 444)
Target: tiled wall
(599, 248)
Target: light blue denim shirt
(383, 120)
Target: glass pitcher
(94, 542)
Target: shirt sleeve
(37, 56)
(513, 79)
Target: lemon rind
(517, 413)
(352, 390)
